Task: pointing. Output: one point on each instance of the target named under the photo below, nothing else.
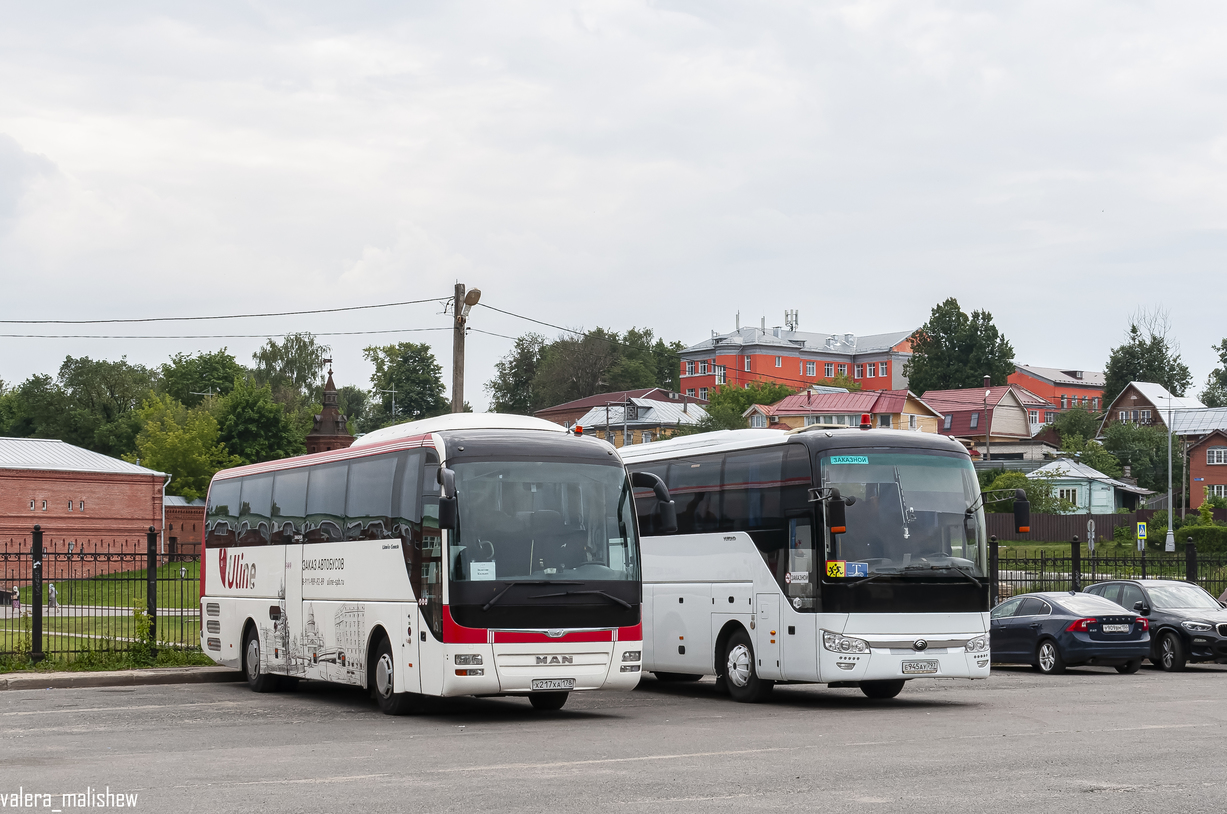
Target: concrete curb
(118, 678)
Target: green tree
(292, 368)
(574, 367)
(256, 428)
(726, 408)
(1041, 493)
(511, 389)
(412, 370)
(1215, 394)
(353, 402)
(1146, 356)
(188, 375)
(1077, 421)
(185, 443)
(953, 350)
(1091, 453)
(1144, 450)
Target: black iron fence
(73, 599)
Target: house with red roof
(894, 409)
(1004, 418)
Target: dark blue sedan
(1052, 631)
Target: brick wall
(111, 506)
(184, 529)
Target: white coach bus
(462, 555)
(842, 556)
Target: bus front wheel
(882, 689)
(383, 680)
(740, 676)
(548, 700)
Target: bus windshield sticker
(836, 568)
(481, 571)
(857, 569)
(836, 460)
(796, 576)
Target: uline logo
(235, 572)
(555, 659)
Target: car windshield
(548, 520)
(1181, 596)
(911, 511)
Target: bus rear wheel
(740, 676)
(257, 679)
(882, 689)
(383, 680)
(548, 700)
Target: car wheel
(548, 700)
(882, 689)
(740, 676)
(670, 678)
(257, 679)
(1048, 658)
(383, 679)
(1171, 653)
(1129, 667)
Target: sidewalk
(118, 678)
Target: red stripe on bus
(631, 634)
(530, 636)
(458, 634)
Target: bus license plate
(553, 683)
(1116, 628)
(913, 667)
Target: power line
(222, 316)
(219, 336)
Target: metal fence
(73, 599)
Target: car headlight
(632, 655)
(837, 643)
(977, 645)
(1200, 627)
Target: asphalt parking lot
(1091, 740)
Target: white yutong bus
(461, 555)
(842, 556)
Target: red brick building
(794, 358)
(331, 429)
(184, 525)
(1208, 468)
(76, 495)
(1061, 388)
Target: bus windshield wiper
(872, 577)
(610, 597)
(499, 595)
(942, 568)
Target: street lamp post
(393, 392)
(1170, 543)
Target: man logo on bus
(555, 659)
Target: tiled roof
(1090, 378)
(50, 454)
(1065, 468)
(655, 393)
(863, 401)
(830, 344)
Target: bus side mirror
(1022, 512)
(447, 500)
(836, 518)
(666, 509)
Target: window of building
(911, 422)
(869, 370)
(1216, 455)
(44, 505)
(975, 420)
(884, 421)
(31, 505)
(1217, 490)
(747, 363)
(690, 368)
(779, 361)
(647, 437)
(843, 370)
(758, 421)
(947, 421)
(811, 368)
(1049, 416)
(719, 370)
(81, 508)
(828, 370)
(1095, 403)
(1070, 495)
(1124, 415)
(70, 505)
(703, 367)
(881, 369)
(690, 392)
(1146, 416)
(858, 371)
(1033, 416)
(1064, 402)
(703, 393)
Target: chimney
(808, 400)
(764, 325)
(849, 339)
(988, 381)
(686, 407)
(738, 320)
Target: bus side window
(221, 521)
(255, 508)
(368, 509)
(326, 504)
(694, 485)
(289, 504)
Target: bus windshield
(543, 520)
(911, 512)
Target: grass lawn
(74, 632)
(123, 589)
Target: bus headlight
(837, 643)
(468, 659)
(978, 644)
(631, 655)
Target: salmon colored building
(1062, 388)
(1208, 468)
(797, 359)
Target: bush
(1208, 539)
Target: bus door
(288, 514)
(767, 634)
(291, 610)
(427, 579)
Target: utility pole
(461, 303)
(1170, 543)
(988, 435)
(393, 392)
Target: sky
(652, 164)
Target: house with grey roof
(1147, 404)
(638, 420)
(1089, 490)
